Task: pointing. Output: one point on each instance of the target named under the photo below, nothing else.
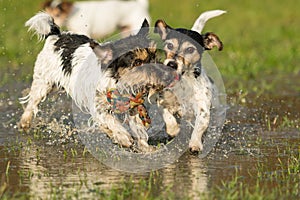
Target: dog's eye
(170, 46)
(190, 50)
(137, 62)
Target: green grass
(260, 38)
(279, 182)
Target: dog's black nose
(172, 64)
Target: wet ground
(50, 160)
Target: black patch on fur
(124, 53)
(197, 70)
(128, 60)
(67, 44)
(54, 30)
(188, 35)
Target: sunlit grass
(260, 38)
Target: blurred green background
(261, 40)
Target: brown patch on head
(132, 51)
(46, 4)
(59, 11)
(141, 54)
(135, 58)
(131, 59)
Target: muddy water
(50, 160)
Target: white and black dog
(83, 68)
(89, 72)
(99, 18)
(194, 92)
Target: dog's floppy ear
(65, 7)
(211, 40)
(162, 28)
(104, 53)
(46, 4)
(144, 31)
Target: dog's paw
(195, 147)
(172, 130)
(23, 126)
(172, 127)
(25, 122)
(143, 146)
(123, 139)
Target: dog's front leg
(171, 106)
(201, 124)
(114, 129)
(201, 102)
(172, 127)
(38, 92)
(140, 133)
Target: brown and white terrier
(194, 91)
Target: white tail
(204, 17)
(43, 25)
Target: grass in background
(18, 49)
(260, 38)
(261, 47)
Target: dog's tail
(204, 17)
(143, 3)
(43, 25)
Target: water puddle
(50, 161)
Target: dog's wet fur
(124, 61)
(132, 51)
(183, 52)
(83, 66)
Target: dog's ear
(46, 4)
(211, 40)
(162, 28)
(104, 53)
(65, 7)
(144, 31)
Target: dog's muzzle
(172, 64)
(175, 64)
